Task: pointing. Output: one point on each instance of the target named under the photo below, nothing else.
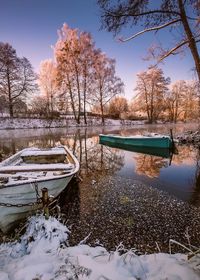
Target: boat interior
(33, 164)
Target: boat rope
(19, 204)
(36, 191)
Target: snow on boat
(146, 141)
(25, 174)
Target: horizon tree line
(81, 77)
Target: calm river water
(180, 178)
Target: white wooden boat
(25, 174)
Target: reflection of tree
(102, 160)
(7, 149)
(94, 159)
(186, 155)
(11, 145)
(149, 165)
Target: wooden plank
(38, 152)
(35, 167)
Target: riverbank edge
(32, 123)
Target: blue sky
(30, 26)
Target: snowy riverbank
(22, 123)
(190, 137)
(42, 253)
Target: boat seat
(35, 167)
(37, 156)
(30, 153)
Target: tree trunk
(11, 109)
(147, 106)
(71, 98)
(51, 103)
(79, 94)
(84, 98)
(192, 43)
(102, 113)
(9, 95)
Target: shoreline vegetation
(36, 122)
(21, 123)
(7, 123)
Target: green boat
(164, 153)
(151, 141)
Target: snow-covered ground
(16, 123)
(42, 253)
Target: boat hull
(27, 192)
(146, 142)
(163, 152)
(25, 174)
(11, 216)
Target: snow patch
(42, 253)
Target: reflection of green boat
(152, 145)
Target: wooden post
(45, 201)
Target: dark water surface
(104, 204)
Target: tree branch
(173, 50)
(150, 29)
(107, 13)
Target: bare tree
(106, 84)
(153, 16)
(39, 105)
(191, 101)
(74, 55)
(17, 78)
(48, 83)
(3, 104)
(151, 89)
(20, 106)
(174, 100)
(182, 101)
(118, 106)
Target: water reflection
(181, 178)
(102, 160)
(94, 158)
(150, 165)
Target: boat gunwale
(40, 180)
(14, 184)
(134, 137)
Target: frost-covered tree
(191, 101)
(74, 56)
(151, 89)
(39, 105)
(3, 104)
(20, 106)
(174, 100)
(179, 17)
(182, 101)
(118, 106)
(85, 73)
(48, 83)
(106, 84)
(17, 78)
